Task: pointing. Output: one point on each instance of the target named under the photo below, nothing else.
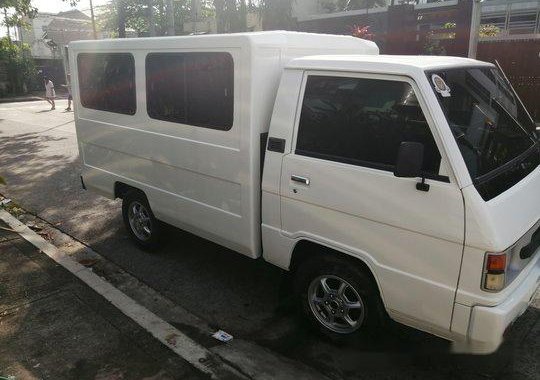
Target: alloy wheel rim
(140, 221)
(336, 304)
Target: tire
(348, 309)
(143, 227)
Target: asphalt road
(247, 298)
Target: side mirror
(409, 160)
(409, 163)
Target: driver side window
(362, 122)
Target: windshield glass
(496, 136)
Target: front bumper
(488, 324)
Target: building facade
(509, 33)
(47, 36)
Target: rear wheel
(143, 227)
(339, 299)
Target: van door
(338, 189)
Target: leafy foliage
(17, 9)
(489, 30)
(20, 67)
(137, 15)
(485, 30)
(433, 45)
(277, 14)
(231, 15)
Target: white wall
(34, 36)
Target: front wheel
(143, 227)
(339, 299)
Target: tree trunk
(219, 5)
(7, 25)
(93, 20)
(194, 15)
(151, 22)
(170, 18)
(121, 19)
(243, 12)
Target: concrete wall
(33, 36)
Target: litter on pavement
(222, 336)
(5, 201)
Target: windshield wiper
(507, 166)
(516, 122)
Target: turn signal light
(496, 262)
(494, 272)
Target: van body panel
(496, 226)
(498, 223)
(488, 324)
(418, 272)
(382, 220)
(283, 117)
(204, 180)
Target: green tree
(14, 12)
(138, 16)
(20, 67)
(231, 15)
(488, 30)
(277, 14)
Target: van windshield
(494, 132)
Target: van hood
(498, 223)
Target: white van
(388, 185)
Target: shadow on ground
(53, 326)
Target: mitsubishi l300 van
(390, 186)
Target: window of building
(107, 82)
(497, 19)
(363, 122)
(191, 88)
(523, 21)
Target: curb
(198, 356)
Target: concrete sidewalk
(52, 326)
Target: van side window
(191, 88)
(107, 82)
(362, 122)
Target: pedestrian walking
(49, 92)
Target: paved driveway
(39, 159)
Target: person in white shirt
(49, 91)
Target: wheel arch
(306, 249)
(121, 189)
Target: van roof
(271, 38)
(397, 64)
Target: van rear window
(107, 82)
(191, 88)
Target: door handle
(299, 179)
